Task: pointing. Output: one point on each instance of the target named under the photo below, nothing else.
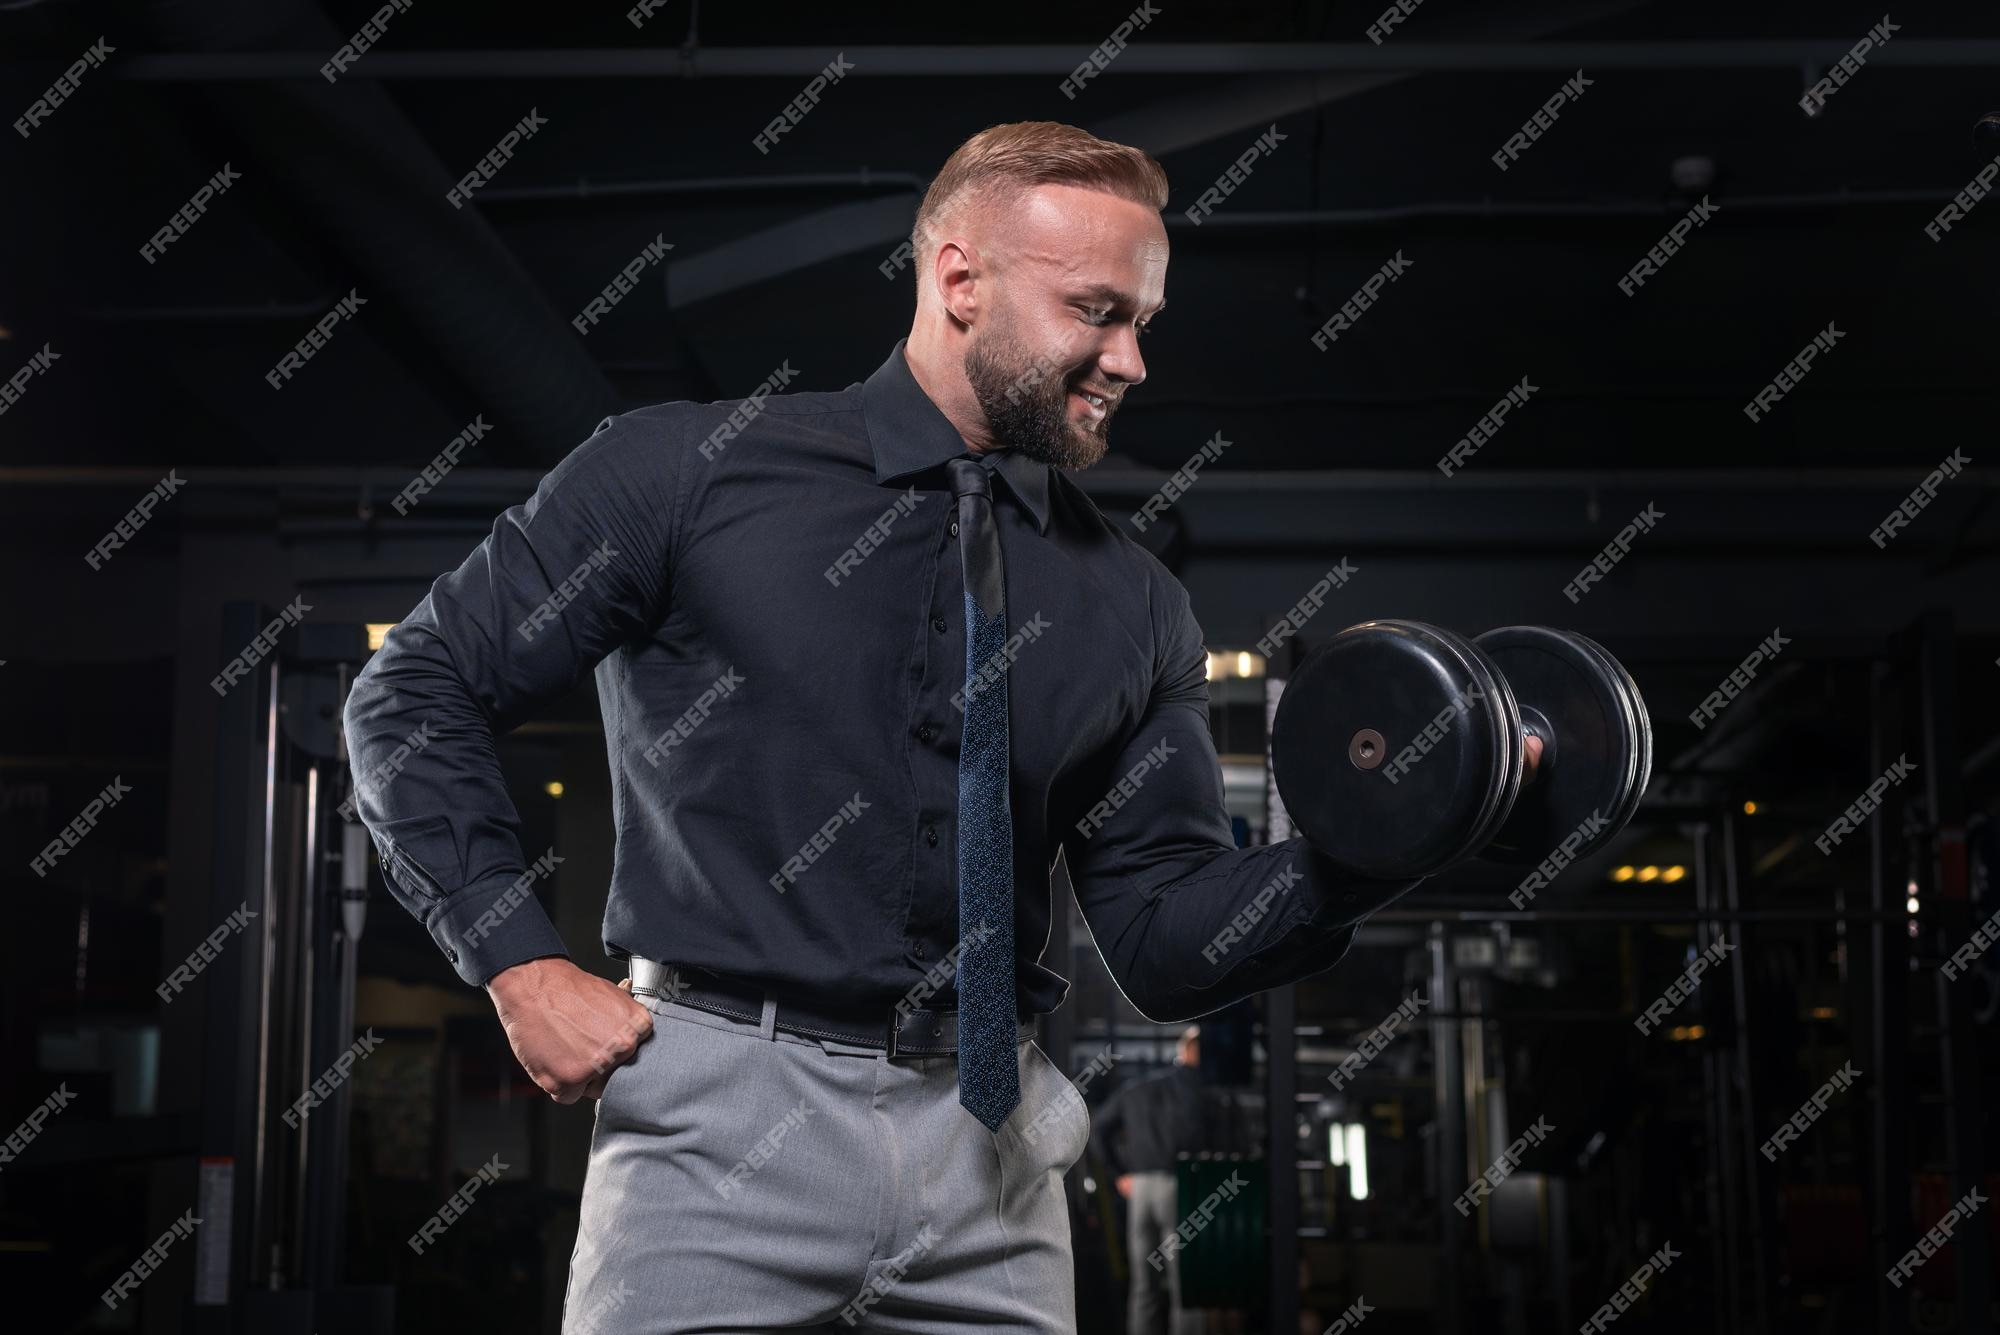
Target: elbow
(1163, 1005)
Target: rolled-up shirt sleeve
(1186, 921)
(562, 579)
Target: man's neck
(947, 388)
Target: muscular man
(869, 663)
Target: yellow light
(1673, 873)
(1749, 808)
(1649, 873)
(1622, 873)
(376, 630)
(1685, 1033)
(1823, 1012)
(553, 788)
(1240, 663)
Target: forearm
(429, 788)
(1247, 920)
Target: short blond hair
(1003, 162)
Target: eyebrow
(1111, 296)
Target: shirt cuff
(491, 926)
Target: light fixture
(1749, 808)
(1911, 904)
(1623, 873)
(1673, 873)
(1823, 1012)
(1685, 1033)
(1239, 663)
(553, 788)
(1357, 1161)
(1649, 873)
(376, 630)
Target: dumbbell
(1399, 747)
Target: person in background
(1161, 1117)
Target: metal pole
(1784, 56)
(1958, 1048)
(1757, 1185)
(1888, 1036)
(1638, 917)
(1448, 1135)
(1281, 1153)
(1724, 1229)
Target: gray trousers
(1153, 1306)
(746, 1179)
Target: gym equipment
(1399, 747)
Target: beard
(1027, 405)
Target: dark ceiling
(1511, 275)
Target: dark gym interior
(1808, 878)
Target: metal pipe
(1280, 1152)
(1616, 916)
(1280, 219)
(1724, 1251)
(1758, 1201)
(1449, 1138)
(1789, 56)
(578, 192)
(1960, 1045)
(1100, 482)
(1890, 1228)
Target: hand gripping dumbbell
(1399, 747)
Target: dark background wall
(1332, 454)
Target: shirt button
(937, 624)
(919, 950)
(924, 733)
(954, 528)
(930, 835)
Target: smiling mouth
(1094, 404)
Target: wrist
(527, 979)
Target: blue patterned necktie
(989, 1082)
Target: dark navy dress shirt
(769, 592)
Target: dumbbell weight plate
(1643, 723)
(1592, 768)
(1494, 689)
(1390, 748)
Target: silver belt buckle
(651, 978)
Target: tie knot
(968, 478)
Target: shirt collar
(909, 433)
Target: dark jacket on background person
(1161, 1116)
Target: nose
(1119, 358)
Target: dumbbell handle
(1534, 723)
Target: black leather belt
(914, 1031)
